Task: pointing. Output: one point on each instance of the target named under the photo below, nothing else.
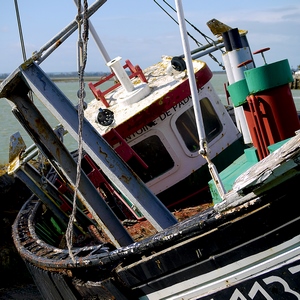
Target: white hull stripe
(232, 274)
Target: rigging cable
(82, 59)
(207, 38)
(20, 31)
(21, 38)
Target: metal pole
(208, 51)
(67, 31)
(192, 81)
(197, 109)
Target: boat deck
(159, 100)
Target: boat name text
(167, 114)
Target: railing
(136, 71)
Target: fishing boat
(167, 197)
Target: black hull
(194, 248)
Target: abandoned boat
(147, 221)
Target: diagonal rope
(208, 39)
(20, 31)
(82, 59)
(21, 38)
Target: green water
(9, 125)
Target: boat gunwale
(183, 231)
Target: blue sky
(141, 32)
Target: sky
(140, 31)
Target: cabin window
(186, 125)
(155, 155)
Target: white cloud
(279, 14)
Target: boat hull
(249, 251)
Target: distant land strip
(73, 76)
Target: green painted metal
(239, 166)
(238, 92)
(229, 175)
(258, 79)
(274, 147)
(56, 226)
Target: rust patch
(58, 43)
(143, 229)
(126, 179)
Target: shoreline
(70, 78)
(88, 76)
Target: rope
(82, 59)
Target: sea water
(9, 124)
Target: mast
(194, 93)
